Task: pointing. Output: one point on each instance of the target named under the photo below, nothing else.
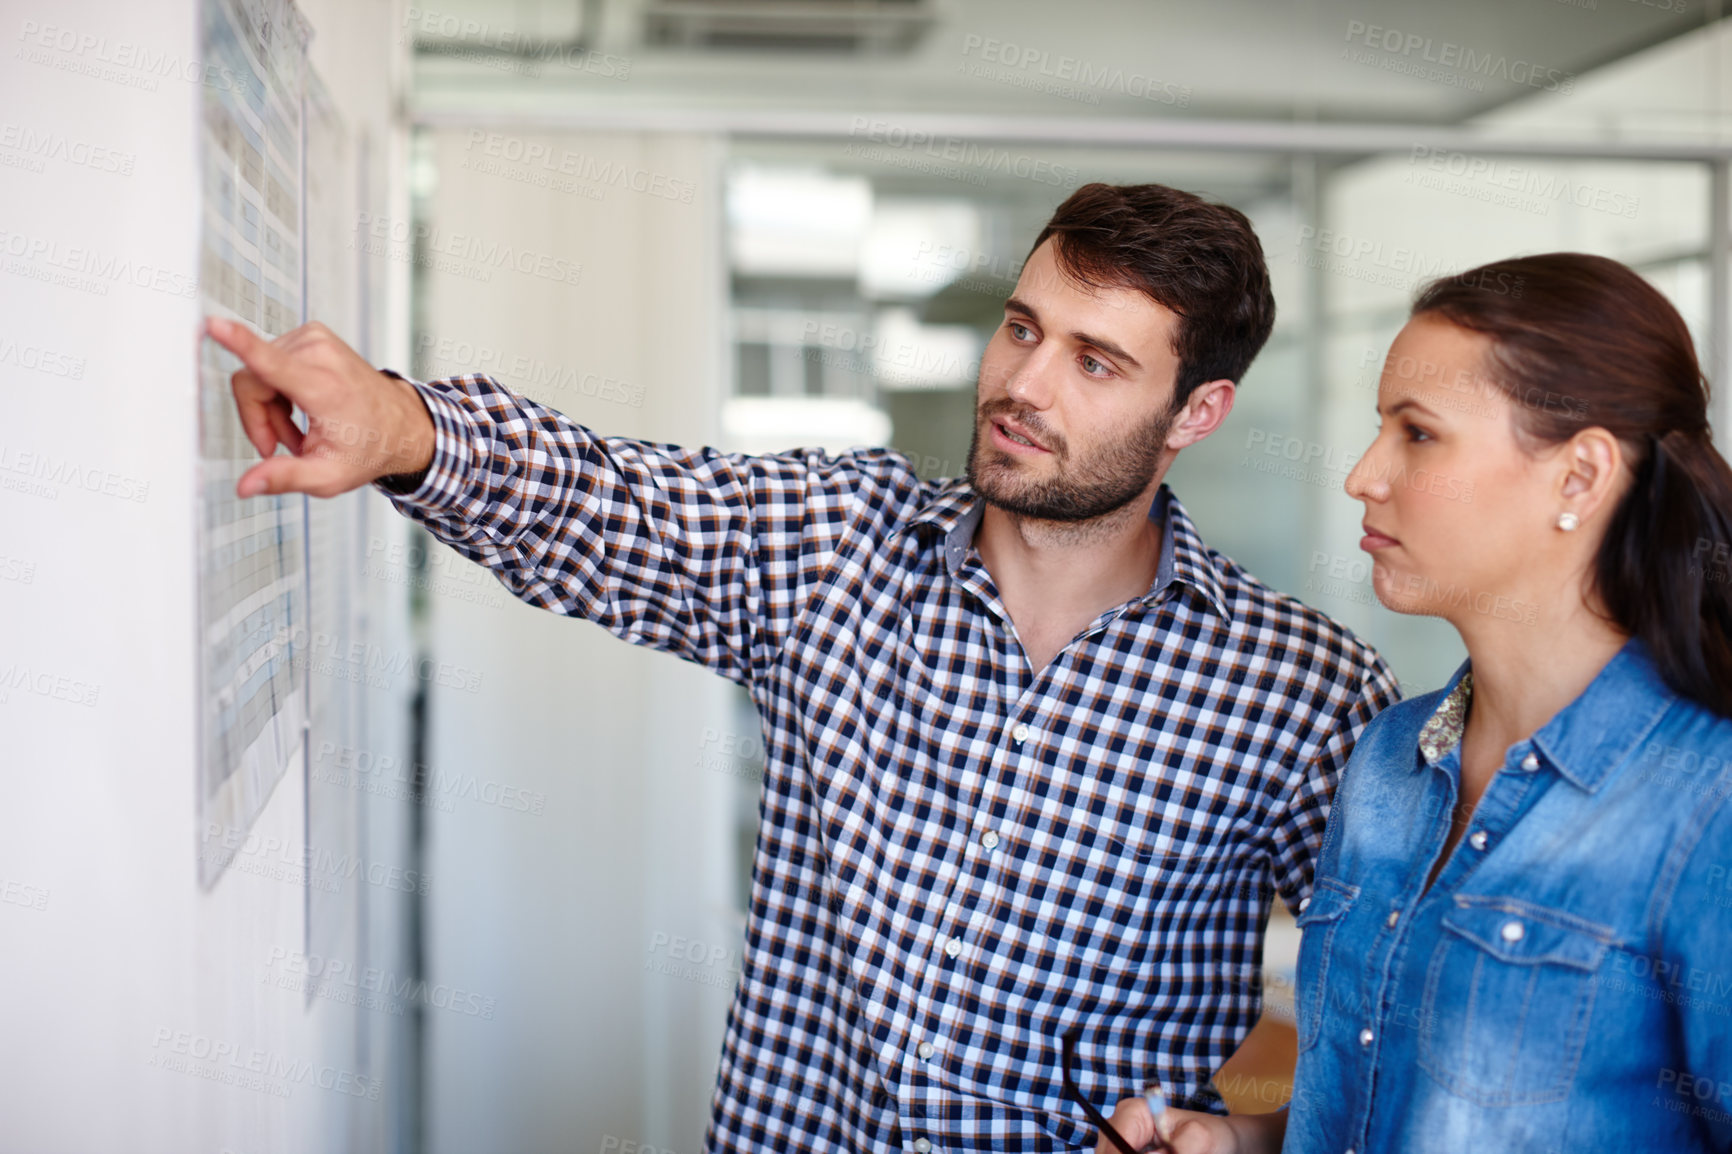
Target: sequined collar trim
(1442, 732)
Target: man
(1038, 758)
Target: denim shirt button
(1477, 841)
(1365, 1037)
(1303, 902)
(1531, 761)
(1513, 931)
(1394, 916)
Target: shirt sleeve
(1696, 937)
(1296, 830)
(703, 554)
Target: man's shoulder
(866, 494)
(1282, 627)
(890, 484)
(876, 479)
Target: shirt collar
(955, 510)
(1590, 736)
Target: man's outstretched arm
(700, 553)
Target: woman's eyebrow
(1408, 403)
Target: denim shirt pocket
(1508, 996)
(1330, 901)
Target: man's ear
(1203, 412)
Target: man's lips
(1006, 433)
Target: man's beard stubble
(1082, 491)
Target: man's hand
(1190, 1132)
(361, 424)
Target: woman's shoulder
(1401, 724)
(1379, 770)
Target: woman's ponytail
(1664, 570)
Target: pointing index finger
(238, 339)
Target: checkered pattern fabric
(960, 857)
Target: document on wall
(252, 554)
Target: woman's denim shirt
(1566, 983)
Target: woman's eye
(1415, 433)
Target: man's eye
(1019, 331)
(1090, 365)
(1415, 433)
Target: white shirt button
(989, 839)
(953, 946)
(1020, 733)
(926, 1050)
(1394, 916)
(1513, 932)
(1303, 902)
(1365, 1037)
(1531, 761)
(922, 1146)
(1477, 839)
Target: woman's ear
(1593, 471)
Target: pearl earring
(1568, 521)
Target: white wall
(557, 914)
(112, 950)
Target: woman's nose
(1365, 481)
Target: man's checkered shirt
(959, 857)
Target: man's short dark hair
(1198, 259)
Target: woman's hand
(1191, 1132)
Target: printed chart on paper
(253, 560)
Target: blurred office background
(781, 223)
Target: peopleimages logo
(956, 150)
(44, 144)
(349, 982)
(121, 61)
(88, 269)
(1446, 59)
(331, 653)
(1088, 78)
(532, 154)
(482, 254)
(250, 1067)
(52, 470)
(532, 49)
(1429, 167)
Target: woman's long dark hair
(1582, 341)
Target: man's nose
(1034, 381)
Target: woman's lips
(1375, 540)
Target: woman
(1520, 936)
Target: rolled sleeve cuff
(449, 482)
